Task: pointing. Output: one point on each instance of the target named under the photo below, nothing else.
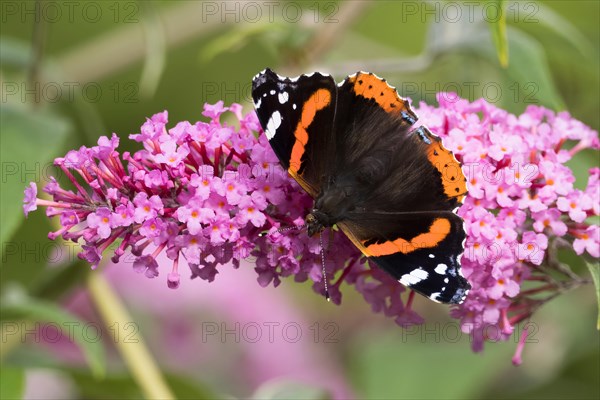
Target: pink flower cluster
(205, 192)
(201, 192)
(521, 205)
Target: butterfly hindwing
(427, 262)
(404, 189)
(453, 179)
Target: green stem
(134, 351)
(37, 45)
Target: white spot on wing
(283, 97)
(431, 256)
(441, 269)
(294, 106)
(419, 273)
(415, 276)
(409, 280)
(273, 124)
(257, 103)
(272, 92)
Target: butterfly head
(315, 222)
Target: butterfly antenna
(287, 228)
(323, 266)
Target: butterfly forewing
(297, 116)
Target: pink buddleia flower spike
(205, 192)
(521, 207)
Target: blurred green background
(104, 66)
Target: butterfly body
(392, 188)
(338, 198)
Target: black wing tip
(268, 74)
(262, 77)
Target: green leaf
(527, 76)
(233, 39)
(56, 282)
(287, 390)
(560, 25)
(21, 307)
(530, 66)
(405, 364)
(154, 63)
(14, 52)
(595, 272)
(497, 24)
(30, 139)
(124, 386)
(12, 383)
(30, 357)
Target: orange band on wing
(438, 231)
(319, 100)
(453, 179)
(372, 87)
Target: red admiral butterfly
(392, 190)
